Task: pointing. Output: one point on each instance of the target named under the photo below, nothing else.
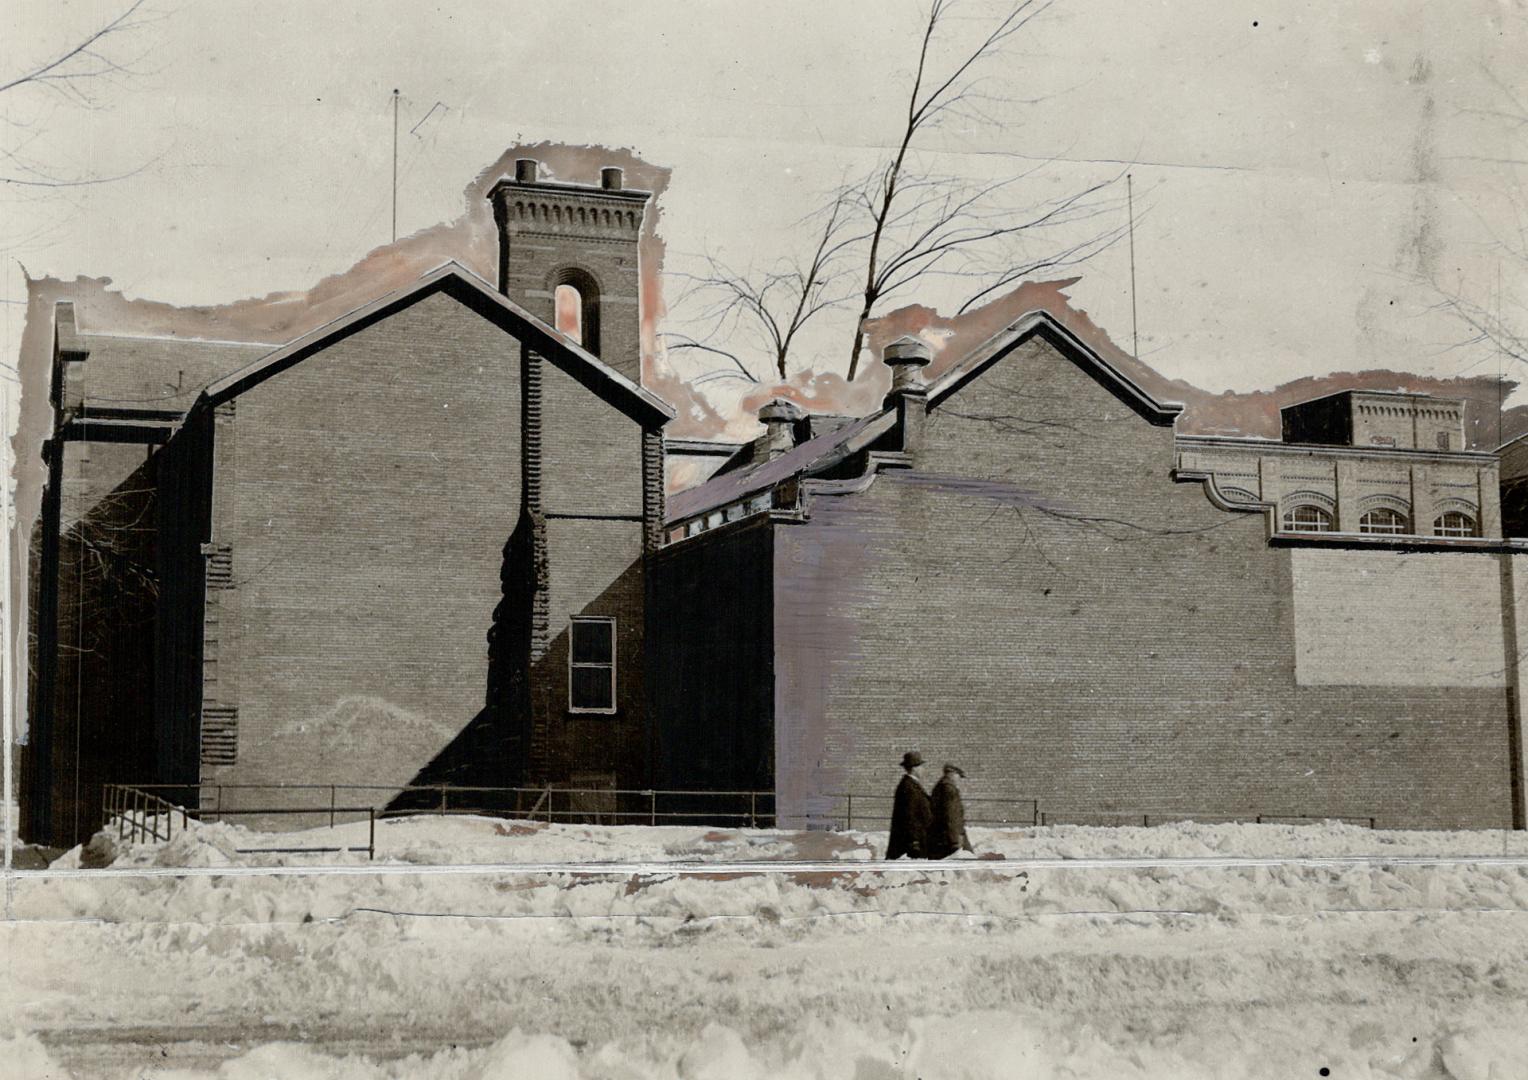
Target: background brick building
(428, 543)
(1361, 462)
(1004, 570)
(407, 547)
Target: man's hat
(912, 759)
(956, 769)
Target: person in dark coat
(911, 813)
(947, 832)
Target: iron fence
(581, 805)
(137, 811)
(148, 813)
(875, 811)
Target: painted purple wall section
(1037, 600)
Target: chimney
(779, 418)
(526, 170)
(906, 357)
(610, 178)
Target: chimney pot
(610, 178)
(526, 170)
(905, 356)
(779, 418)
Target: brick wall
(711, 660)
(104, 676)
(1395, 619)
(365, 499)
(1038, 602)
(592, 493)
(366, 496)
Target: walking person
(911, 813)
(947, 831)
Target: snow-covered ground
(987, 969)
(429, 840)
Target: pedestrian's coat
(947, 830)
(911, 815)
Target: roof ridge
(549, 341)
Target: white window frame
(1368, 527)
(572, 664)
(1328, 519)
(1440, 529)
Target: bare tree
(77, 76)
(905, 222)
(1495, 317)
(772, 306)
(921, 223)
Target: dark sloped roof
(824, 451)
(812, 456)
(701, 447)
(457, 281)
(155, 372)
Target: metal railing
(990, 811)
(595, 806)
(548, 802)
(136, 811)
(1003, 812)
(131, 806)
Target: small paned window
(1307, 518)
(1382, 520)
(1455, 523)
(1443, 441)
(591, 665)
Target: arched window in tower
(576, 306)
(569, 305)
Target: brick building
(428, 543)
(406, 547)
(1019, 568)
(1366, 462)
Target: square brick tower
(584, 238)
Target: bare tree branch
(71, 77)
(67, 70)
(774, 305)
(948, 229)
(905, 222)
(1496, 318)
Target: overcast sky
(1301, 169)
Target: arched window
(569, 305)
(1455, 523)
(576, 306)
(1382, 519)
(1307, 518)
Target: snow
(991, 969)
(431, 840)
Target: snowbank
(428, 840)
(1367, 970)
(967, 1046)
